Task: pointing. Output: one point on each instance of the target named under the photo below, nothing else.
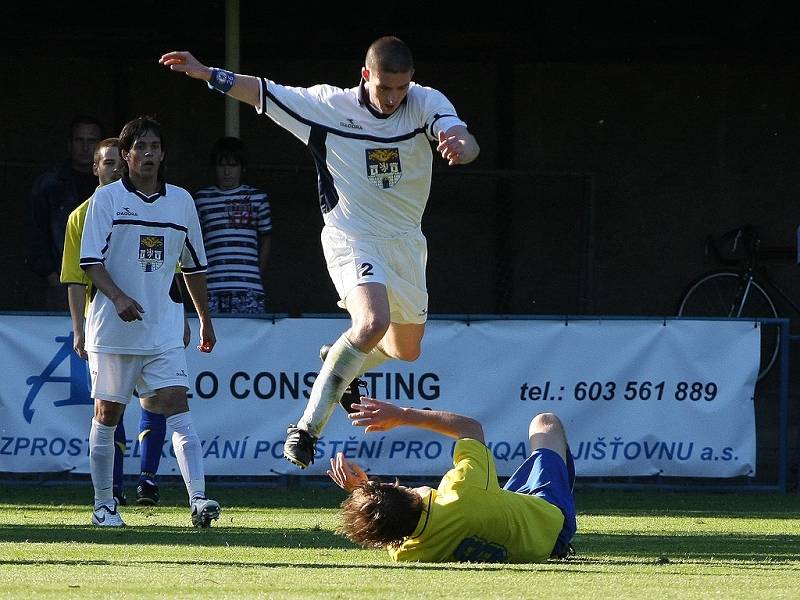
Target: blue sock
(153, 430)
(119, 450)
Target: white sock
(101, 462)
(374, 358)
(189, 452)
(343, 364)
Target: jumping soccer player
(371, 146)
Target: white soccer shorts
(398, 263)
(114, 376)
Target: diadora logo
(78, 379)
(181, 373)
(350, 124)
(127, 212)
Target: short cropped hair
(390, 55)
(106, 143)
(380, 515)
(229, 148)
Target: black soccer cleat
(119, 496)
(299, 447)
(147, 493)
(356, 389)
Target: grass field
(280, 543)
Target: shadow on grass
(727, 547)
(170, 536)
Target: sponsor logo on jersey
(151, 252)
(350, 124)
(127, 212)
(383, 167)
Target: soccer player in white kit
(136, 231)
(371, 146)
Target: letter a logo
(78, 379)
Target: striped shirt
(232, 222)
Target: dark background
(615, 136)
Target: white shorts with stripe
(398, 263)
(115, 376)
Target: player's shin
(101, 462)
(343, 363)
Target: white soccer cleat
(204, 511)
(106, 516)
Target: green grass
(279, 543)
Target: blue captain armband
(221, 80)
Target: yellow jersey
(471, 518)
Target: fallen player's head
(378, 515)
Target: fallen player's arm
(374, 415)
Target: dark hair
(389, 54)
(380, 515)
(230, 148)
(85, 120)
(106, 143)
(135, 129)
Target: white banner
(637, 397)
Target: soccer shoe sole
(208, 514)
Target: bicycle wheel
(719, 294)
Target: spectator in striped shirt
(237, 225)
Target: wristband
(221, 80)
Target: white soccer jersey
(140, 239)
(374, 170)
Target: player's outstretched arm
(374, 415)
(246, 88)
(458, 146)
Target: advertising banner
(637, 397)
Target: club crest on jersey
(383, 167)
(151, 252)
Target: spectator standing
(55, 194)
(237, 225)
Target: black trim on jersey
(328, 196)
(345, 134)
(427, 516)
(162, 191)
(192, 270)
(85, 262)
(436, 117)
(175, 291)
(149, 224)
(92, 294)
(363, 100)
(193, 252)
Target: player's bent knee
(108, 413)
(545, 422)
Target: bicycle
(742, 291)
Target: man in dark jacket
(55, 194)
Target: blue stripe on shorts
(544, 474)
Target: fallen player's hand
(347, 475)
(374, 415)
